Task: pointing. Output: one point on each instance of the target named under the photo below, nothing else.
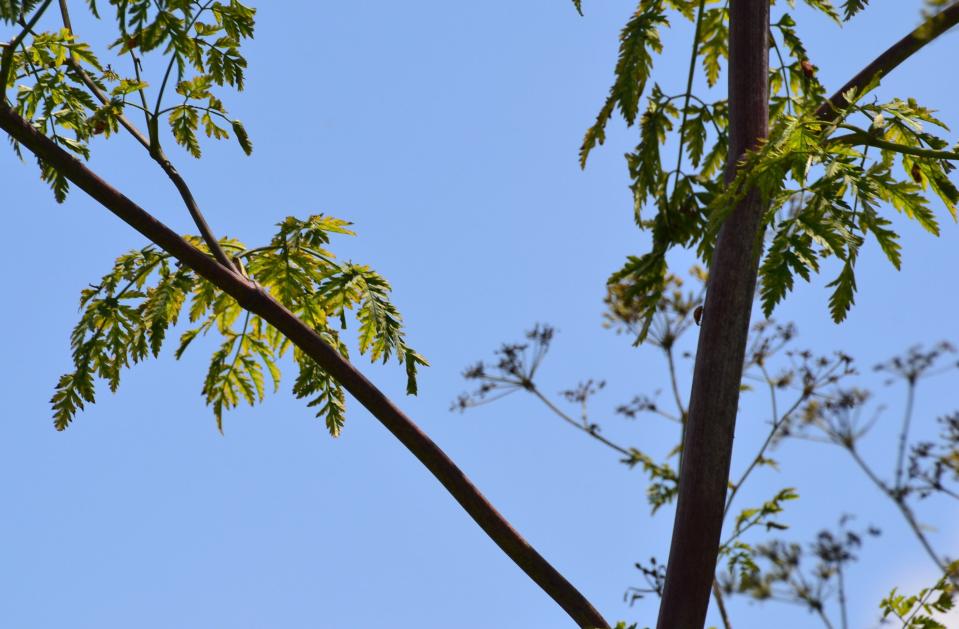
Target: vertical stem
(722, 341)
(689, 89)
(904, 435)
(842, 598)
(679, 402)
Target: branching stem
(255, 299)
(153, 149)
(6, 59)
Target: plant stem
(721, 605)
(904, 434)
(579, 426)
(156, 153)
(891, 58)
(252, 297)
(6, 59)
(870, 140)
(903, 508)
(717, 374)
(689, 89)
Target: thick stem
(259, 302)
(722, 341)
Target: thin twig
(592, 433)
(782, 70)
(904, 434)
(844, 614)
(903, 508)
(864, 138)
(674, 381)
(689, 89)
(155, 152)
(721, 605)
(777, 423)
(6, 59)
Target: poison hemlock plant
(815, 176)
(770, 159)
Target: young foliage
(200, 45)
(919, 611)
(638, 41)
(827, 184)
(126, 317)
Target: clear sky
(448, 133)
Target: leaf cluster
(826, 190)
(918, 611)
(57, 76)
(126, 317)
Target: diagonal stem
(253, 298)
(592, 433)
(891, 58)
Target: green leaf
(906, 197)
(242, 137)
(790, 253)
(695, 134)
(326, 393)
(645, 164)
(826, 7)
(935, 174)
(73, 389)
(843, 297)
(644, 278)
(714, 42)
(128, 86)
(887, 238)
(184, 121)
(413, 360)
(638, 40)
(852, 7)
(58, 182)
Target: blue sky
(448, 133)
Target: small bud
(808, 68)
(698, 314)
